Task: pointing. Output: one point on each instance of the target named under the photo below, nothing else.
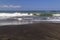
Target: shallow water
(28, 20)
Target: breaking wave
(8, 15)
(11, 14)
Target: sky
(29, 4)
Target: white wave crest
(9, 15)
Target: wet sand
(39, 31)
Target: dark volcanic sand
(39, 31)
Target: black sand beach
(39, 31)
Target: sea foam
(8, 15)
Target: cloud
(10, 6)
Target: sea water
(18, 18)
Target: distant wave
(13, 14)
(8, 15)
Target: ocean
(20, 18)
(14, 18)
